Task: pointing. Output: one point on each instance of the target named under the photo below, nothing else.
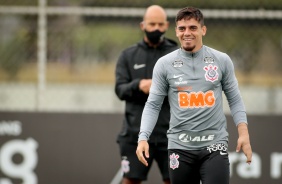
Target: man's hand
(244, 142)
(145, 85)
(143, 149)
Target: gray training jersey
(193, 83)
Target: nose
(187, 32)
(157, 27)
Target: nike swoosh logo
(176, 76)
(136, 66)
(223, 153)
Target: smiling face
(189, 33)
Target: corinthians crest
(174, 163)
(211, 73)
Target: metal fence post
(41, 52)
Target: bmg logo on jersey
(196, 99)
(22, 168)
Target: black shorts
(134, 169)
(210, 166)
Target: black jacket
(136, 63)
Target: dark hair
(189, 13)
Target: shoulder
(222, 59)
(170, 56)
(131, 48)
(217, 55)
(170, 42)
(169, 45)
(214, 51)
(168, 59)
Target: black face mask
(155, 36)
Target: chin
(189, 49)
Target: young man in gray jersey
(193, 77)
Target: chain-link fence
(60, 55)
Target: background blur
(59, 56)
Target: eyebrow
(191, 26)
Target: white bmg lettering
(23, 170)
(275, 165)
(243, 169)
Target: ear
(142, 25)
(204, 30)
(167, 25)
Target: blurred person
(194, 77)
(133, 80)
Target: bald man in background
(133, 74)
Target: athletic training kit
(133, 168)
(136, 63)
(206, 165)
(194, 83)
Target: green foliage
(13, 54)
(104, 41)
(245, 42)
(214, 4)
(18, 2)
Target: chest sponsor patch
(177, 64)
(211, 73)
(208, 60)
(180, 81)
(196, 99)
(184, 137)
